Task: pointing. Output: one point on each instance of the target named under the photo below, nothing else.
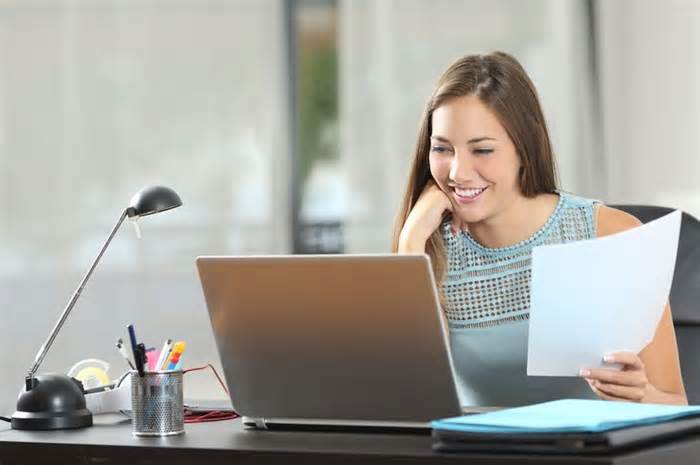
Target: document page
(598, 296)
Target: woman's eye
(483, 151)
(439, 149)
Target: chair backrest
(685, 293)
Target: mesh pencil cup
(156, 403)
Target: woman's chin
(470, 214)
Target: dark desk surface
(111, 442)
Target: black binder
(565, 443)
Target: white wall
(650, 70)
(98, 99)
(393, 52)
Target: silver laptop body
(338, 340)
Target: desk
(109, 442)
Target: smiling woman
(481, 194)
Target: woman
(482, 192)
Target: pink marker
(151, 358)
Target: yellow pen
(174, 357)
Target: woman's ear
(522, 176)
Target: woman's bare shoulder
(611, 220)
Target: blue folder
(566, 416)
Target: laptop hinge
(260, 423)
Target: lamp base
(52, 401)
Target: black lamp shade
(54, 402)
(153, 199)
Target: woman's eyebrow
(479, 139)
(470, 141)
(441, 139)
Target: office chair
(685, 293)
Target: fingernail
(608, 358)
(584, 372)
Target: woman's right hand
(425, 217)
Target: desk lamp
(56, 401)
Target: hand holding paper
(630, 383)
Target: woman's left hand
(628, 384)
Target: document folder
(566, 426)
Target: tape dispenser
(101, 394)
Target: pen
(164, 352)
(150, 360)
(132, 337)
(123, 352)
(171, 352)
(175, 355)
(140, 358)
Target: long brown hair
(501, 83)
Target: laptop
(331, 340)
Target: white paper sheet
(594, 297)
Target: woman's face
(472, 159)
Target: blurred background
(287, 127)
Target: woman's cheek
(440, 169)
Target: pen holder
(156, 403)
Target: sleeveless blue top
(487, 304)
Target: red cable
(209, 365)
(214, 415)
(209, 415)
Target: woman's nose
(461, 168)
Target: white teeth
(469, 192)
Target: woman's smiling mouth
(468, 195)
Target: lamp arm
(54, 332)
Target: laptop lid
(341, 338)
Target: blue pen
(132, 337)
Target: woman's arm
(663, 369)
(653, 375)
(425, 217)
